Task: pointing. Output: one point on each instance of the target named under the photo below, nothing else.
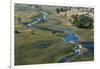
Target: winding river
(71, 37)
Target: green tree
(83, 21)
(57, 10)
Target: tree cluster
(62, 9)
(83, 21)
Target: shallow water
(71, 36)
(89, 45)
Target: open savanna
(40, 47)
(43, 43)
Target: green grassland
(37, 46)
(27, 50)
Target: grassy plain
(37, 46)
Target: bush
(83, 21)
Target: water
(89, 45)
(42, 46)
(71, 36)
(39, 19)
